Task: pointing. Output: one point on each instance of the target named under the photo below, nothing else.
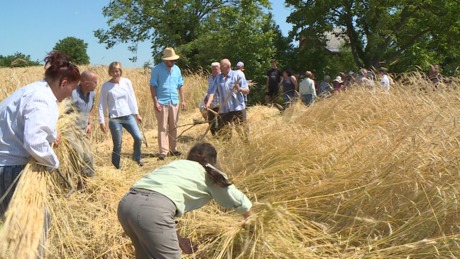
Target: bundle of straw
(23, 229)
(272, 232)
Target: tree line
(75, 48)
(403, 35)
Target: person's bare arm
(89, 124)
(247, 214)
(210, 98)
(153, 92)
(181, 95)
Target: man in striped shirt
(231, 88)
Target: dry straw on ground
(357, 175)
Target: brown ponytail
(206, 155)
(58, 67)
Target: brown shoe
(174, 153)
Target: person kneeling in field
(147, 211)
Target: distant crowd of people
(306, 88)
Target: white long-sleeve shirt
(385, 82)
(28, 126)
(118, 99)
(307, 86)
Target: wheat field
(358, 175)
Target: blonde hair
(113, 66)
(225, 62)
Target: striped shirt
(29, 118)
(215, 100)
(118, 99)
(229, 100)
(187, 184)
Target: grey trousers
(147, 217)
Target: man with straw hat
(166, 83)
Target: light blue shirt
(84, 105)
(118, 99)
(166, 83)
(187, 184)
(215, 100)
(28, 126)
(229, 100)
(243, 76)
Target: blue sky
(33, 27)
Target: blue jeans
(308, 99)
(116, 126)
(289, 98)
(9, 178)
(8, 182)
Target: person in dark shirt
(274, 79)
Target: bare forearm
(153, 93)
(247, 214)
(210, 98)
(181, 94)
(244, 90)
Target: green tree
(164, 23)
(396, 33)
(17, 60)
(200, 31)
(75, 49)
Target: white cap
(240, 64)
(338, 79)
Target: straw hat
(169, 54)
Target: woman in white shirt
(118, 102)
(29, 118)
